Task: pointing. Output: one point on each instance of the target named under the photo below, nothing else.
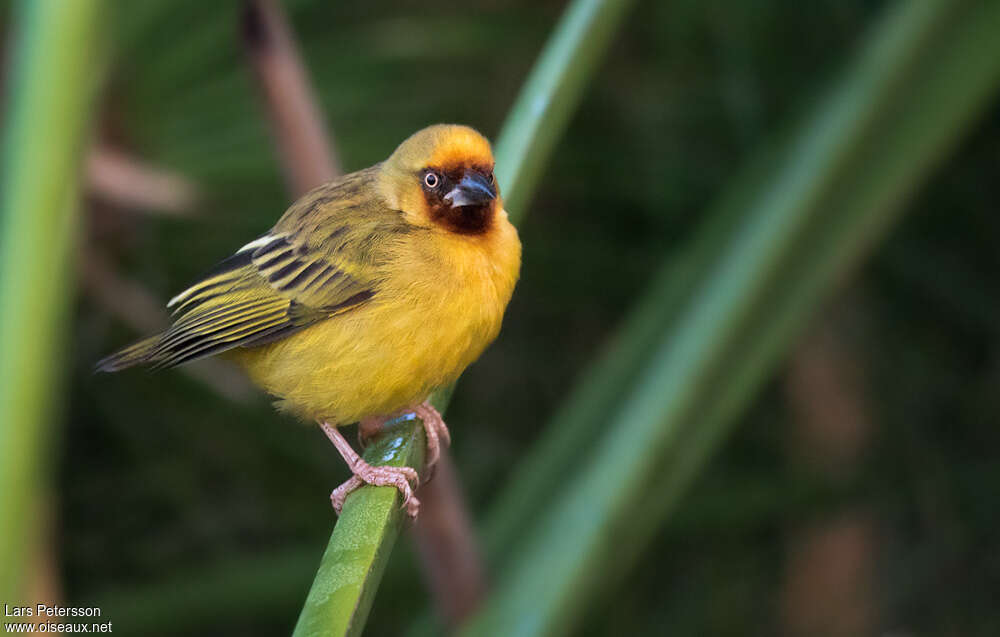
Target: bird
(370, 292)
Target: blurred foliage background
(177, 504)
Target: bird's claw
(435, 430)
(380, 476)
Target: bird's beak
(474, 190)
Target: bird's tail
(136, 354)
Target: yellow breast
(440, 304)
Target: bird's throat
(467, 220)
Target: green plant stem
(550, 96)
(923, 76)
(359, 548)
(47, 104)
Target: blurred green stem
(923, 76)
(53, 70)
(550, 96)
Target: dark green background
(160, 481)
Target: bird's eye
(431, 180)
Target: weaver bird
(370, 292)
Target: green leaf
(790, 234)
(48, 98)
(550, 96)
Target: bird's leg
(364, 473)
(368, 428)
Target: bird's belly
(372, 361)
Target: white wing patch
(256, 243)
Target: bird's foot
(399, 477)
(364, 473)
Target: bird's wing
(320, 260)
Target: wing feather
(320, 260)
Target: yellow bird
(370, 292)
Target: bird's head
(442, 176)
